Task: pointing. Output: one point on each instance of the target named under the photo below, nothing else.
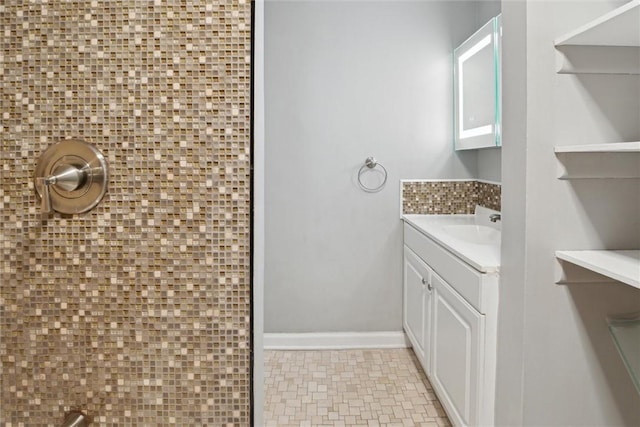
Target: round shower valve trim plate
(71, 177)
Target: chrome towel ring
(371, 163)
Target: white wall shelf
(623, 266)
(609, 44)
(616, 147)
(626, 334)
(619, 160)
(616, 28)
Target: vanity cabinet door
(457, 353)
(415, 302)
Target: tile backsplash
(138, 311)
(489, 195)
(448, 197)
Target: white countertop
(483, 257)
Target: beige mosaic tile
(137, 311)
(348, 388)
(489, 195)
(443, 197)
(448, 197)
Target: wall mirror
(477, 88)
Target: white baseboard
(334, 340)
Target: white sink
(476, 234)
(472, 238)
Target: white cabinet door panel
(457, 353)
(416, 277)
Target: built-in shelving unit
(609, 44)
(616, 147)
(626, 335)
(623, 266)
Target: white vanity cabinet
(450, 317)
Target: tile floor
(348, 388)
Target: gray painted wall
(347, 80)
(557, 365)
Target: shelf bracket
(598, 165)
(573, 59)
(568, 273)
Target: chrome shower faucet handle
(71, 177)
(67, 177)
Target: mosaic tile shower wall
(448, 197)
(137, 311)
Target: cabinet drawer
(466, 281)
